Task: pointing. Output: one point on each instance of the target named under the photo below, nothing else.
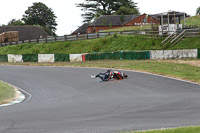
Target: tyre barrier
(122, 55)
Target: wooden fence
(190, 33)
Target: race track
(66, 100)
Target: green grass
(129, 28)
(177, 70)
(192, 21)
(106, 44)
(188, 43)
(173, 130)
(7, 93)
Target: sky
(69, 16)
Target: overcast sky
(69, 16)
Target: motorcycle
(110, 75)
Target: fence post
(37, 40)
(65, 37)
(86, 36)
(97, 34)
(55, 38)
(46, 40)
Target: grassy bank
(175, 130)
(7, 93)
(177, 70)
(192, 21)
(188, 43)
(106, 44)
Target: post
(162, 22)
(65, 37)
(168, 24)
(184, 20)
(174, 17)
(86, 36)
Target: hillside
(106, 44)
(192, 21)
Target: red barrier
(83, 57)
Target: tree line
(38, 14)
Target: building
(81, 30)
(170, 21)
(105, 22)
(26, 32)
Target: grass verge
(172, 69)
(7, 93)
(173, 130)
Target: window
(144, 20)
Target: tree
(95, 8)
(40, 14)
(126, 11)
(198, 11)
(15, 22)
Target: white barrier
(173, 54)
(15, 58)
(75, 57)
(46, 58)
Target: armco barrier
(127, 55)
(30, 57)
(61, 58)
(3, 58)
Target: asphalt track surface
(66, 100)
